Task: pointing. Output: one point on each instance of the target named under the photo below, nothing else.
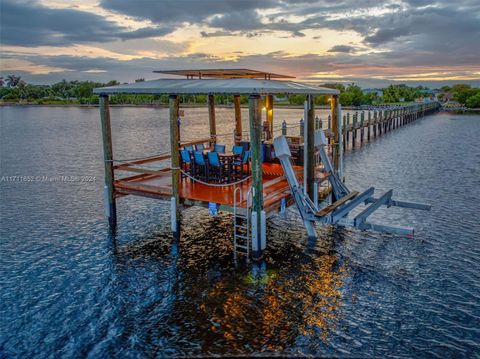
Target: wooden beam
(238, 119)
(269, 113)
(211, 119)
(174, 151)
(189, 143)
(255, 117)
(110, 206)
(156, 158)
(326, 210)
(310, 146)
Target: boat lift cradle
(346, 200)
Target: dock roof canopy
(229, 86)
(226, 74)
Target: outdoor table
(227, 159)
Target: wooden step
(324, 211)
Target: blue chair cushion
(219, 148)
(214, 159)
(185, 156)
(199, 159)
(237, 150)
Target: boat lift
(345, 200)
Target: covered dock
(252, 189)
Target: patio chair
(201, 167)
(216, 168)
(218, 148)
(237, 151)
(186, 163)
(241, 167)
(189, 148)
(199, 147)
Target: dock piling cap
(281, 147)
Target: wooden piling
(109, 191)
(334, 108)
(348, 128)
(369, 125)
(211, 119)
(238, 119)
(362, 129)
(175, 163)
(354, 129)
(310, 140)
(255, 117)
(269, 113)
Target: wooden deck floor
(158, 185)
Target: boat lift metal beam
(362, 216)
(346, 200)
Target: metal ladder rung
(241, 231)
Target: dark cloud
(31, 24)
(343, 48)
(413, 35)
(191, 11)
(217, 33)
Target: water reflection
(269, 308)
(69, 290)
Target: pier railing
(364, 125)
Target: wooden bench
(324, 211)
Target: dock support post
(369, 125)
(238, 119)
(348, 128)
(336, 128)
(269, 113)
(211, 119)
(109, 191)
(173, 102)
(255, 117)
(362, 128)
(354, 130)
(309, 145)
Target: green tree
(473, 101)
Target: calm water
(69, 289)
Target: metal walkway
(346, 200)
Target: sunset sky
(368, 42)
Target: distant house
(445, 96)
(428, 94)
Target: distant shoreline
(291, 107)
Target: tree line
(14, 89)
